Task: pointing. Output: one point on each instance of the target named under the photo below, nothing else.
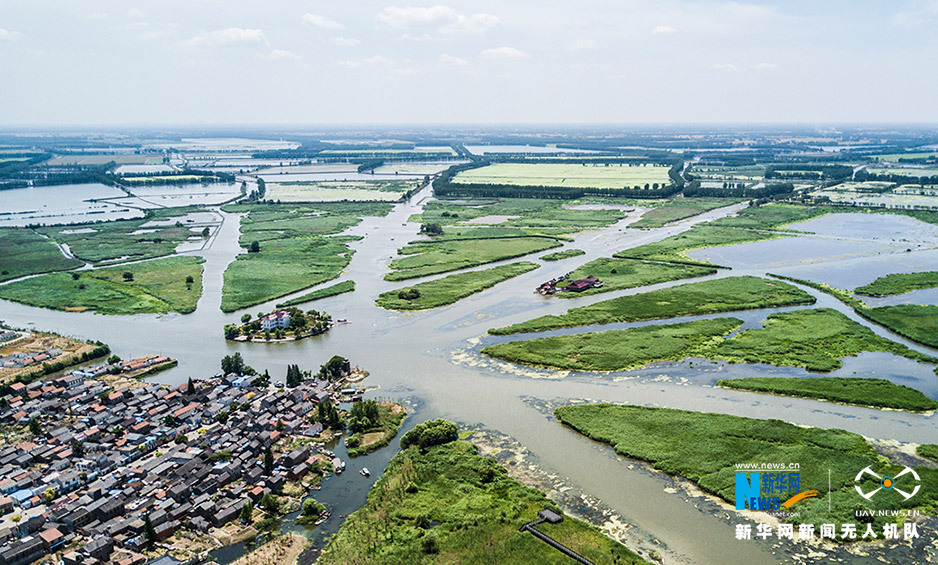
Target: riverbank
(282, 550)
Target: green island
(838, 293)
(565, 254)
(674, 249)
(449, 289)
(918, 322)
(614, 350)
(452, 505)
(430, 257)
(288, 324)
(156, 235)
(320, 293)
(618, 274)
(706, 448)
(704, 297)
(899, 283)
(929, 450)
(372, 425)
(876, 393)
(815, 339)
(679, 209)
(158, 286)
(25, 252)
(519, 212)
(288, 249)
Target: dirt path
(283, 550)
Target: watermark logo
(888, 483)
(765, 490)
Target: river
(431, 360)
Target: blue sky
(211, 62)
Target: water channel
(430, 359)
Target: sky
(318, 62)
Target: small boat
(342, 321)
(365, 472)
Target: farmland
(567, 175)
(705, 297)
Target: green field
(447, 290)
(124, 239)
(814, 339)
(896, 156)
(614, 350)
(705, 297)
(379, 433)
(447, 504)
(153, 178)
(774, 216)
(705, 448)
(929, 450)
(24, 252)
(899, 283)
(560, 255)
(335, 191)
(294, 250)
(320, 293)
(679, 209)
(617, 274)
(918, 322)
(878, 393)
(731, 173)
(432, 257)
(530, 212)
(158, 286)
(674, 249)
(566, 175)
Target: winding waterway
(431, 359)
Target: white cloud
(445, 18)
(406, 72)
(230, 36)
(7, 35)
(136, 14)
(663, 30)
(452, 60)
(282, 54)
(765, 67)
(582, 45)
(421, 37)
(321, 22)
(504, 53)
(344, 41)
(920, 12)
(377, 60)
(96, 16)
(725, 67)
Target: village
(98, 471)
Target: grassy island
(705, 297)
(451, 505)
(877, 393)
(565, 254)
(320, 293)
(373, 424)
(918, 322)
(899, 283)
(614, 350)
(441, 256)
(617, 274)
(445, 291)
(173, 284)
(705, 448)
